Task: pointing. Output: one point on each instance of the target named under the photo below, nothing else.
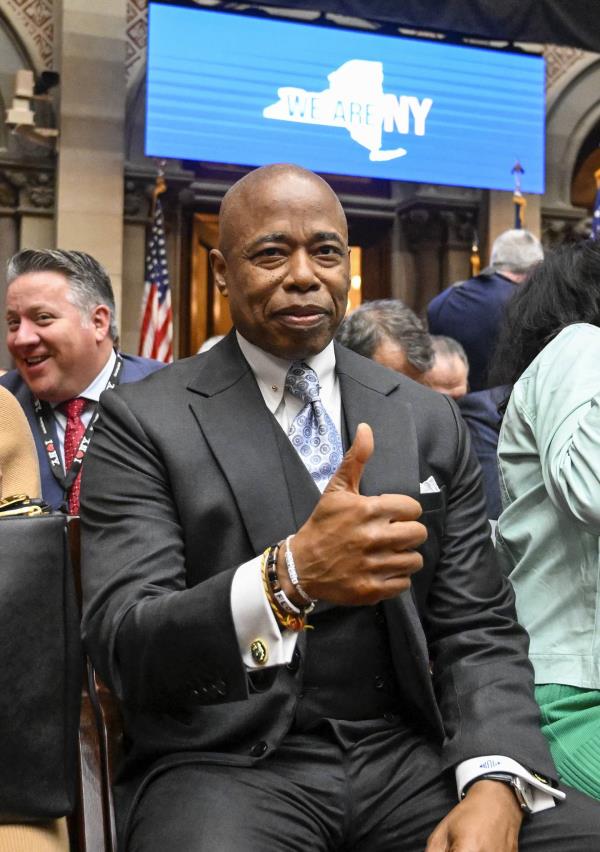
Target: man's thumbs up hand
(347, 477)
(353, 549)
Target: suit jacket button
(379, 682)
(259, 749)
(294, 663)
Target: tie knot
(73, 408)
(302, 381)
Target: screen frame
(323, 23)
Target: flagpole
(475, 257)
(518, 198)
(596, 214)
(160, 185)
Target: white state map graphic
(355, 100)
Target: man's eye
(12, 324)
(329, 250)
(43, 317)
(269, 255)
(270, 251)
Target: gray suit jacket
(188, 477)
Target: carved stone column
(461, 226)
(565, 225)
(90, 54)
(440, 242)
(9, 243)
(34, 188)
(424, 232)
(26, 218)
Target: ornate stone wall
(27, 190)
(35, 17)
(34, 22)
(137, 28)
(558, 62)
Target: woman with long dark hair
(548, 536)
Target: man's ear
(219, 268)
(100, 319)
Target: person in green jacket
(548, 537)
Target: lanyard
(44, 414)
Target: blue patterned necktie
(313, 434)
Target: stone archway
(30, 27)
(573, 111)
(26, 169)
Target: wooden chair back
(92, 827)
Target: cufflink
(259, 651)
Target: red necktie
(74, 432)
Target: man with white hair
(471, 311)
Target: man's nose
(26, 334)
(301, 271)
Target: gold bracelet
(285, 619)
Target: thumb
(347, 477)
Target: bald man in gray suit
(405, 718)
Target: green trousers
(571, 724)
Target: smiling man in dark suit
(217, 509)
(60, 313)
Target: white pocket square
(430, 486)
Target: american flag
(596, 213)
(156, 334)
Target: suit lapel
(240, 431)
(301, 487)
(373, 397)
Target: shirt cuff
(254, 621)
(542, 793)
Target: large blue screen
(235, 89)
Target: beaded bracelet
(285, 620)
(276, 590)
(293, 575)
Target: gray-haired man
(387, 331)
(471, 311)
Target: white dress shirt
(92, 395)
(252, 615)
